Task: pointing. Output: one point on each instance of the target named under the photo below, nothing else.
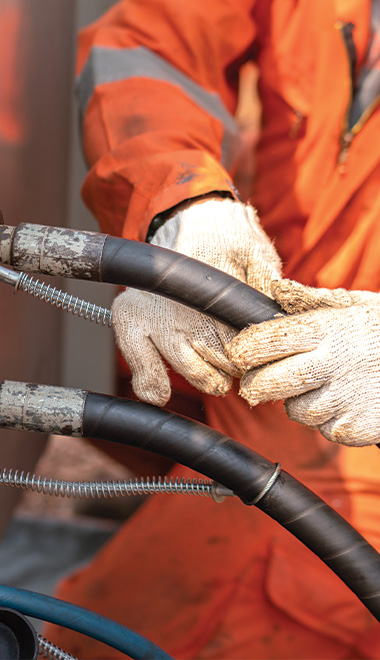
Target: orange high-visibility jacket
(157, 88)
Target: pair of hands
(323, 358)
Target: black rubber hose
(247, 473)
(180, 278)
(99, 257)
(197, 285)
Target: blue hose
(81, 620)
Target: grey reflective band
(108, 65)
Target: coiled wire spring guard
(98, 257)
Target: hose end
(41, 408)
(220, 492)
(57, 251)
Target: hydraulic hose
(103, 258)
(99, 257)
(253, 478)
(81, 620)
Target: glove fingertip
(214, 382)
(151, 393)
(152, 385)
(248, 390)
(250, 397)
(239, 350)
(292, 296)
(223, 386)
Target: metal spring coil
(65, 301)
(107, 488)
(49, 650)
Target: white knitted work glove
(225, 234)
(324, 360)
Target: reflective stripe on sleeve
(107, 65)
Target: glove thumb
(295, 298)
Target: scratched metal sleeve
(53, 250)
(31, 407)
(6, 237)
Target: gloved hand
(225, 234)
(324, 360)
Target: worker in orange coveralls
(158, 87)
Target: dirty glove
(225, 234)
(324, 360)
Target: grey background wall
(41, 171)
(87, 349)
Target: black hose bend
(247, 474)
(186, 280)
(254, 479)
(55, 251)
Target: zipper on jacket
(345, 143)
(348, 133)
